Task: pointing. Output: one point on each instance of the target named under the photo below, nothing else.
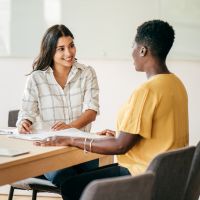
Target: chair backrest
(12, 118)
(192, 191)
(126, 187)
(171, 171)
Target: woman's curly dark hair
(156, 35)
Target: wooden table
(39, 160)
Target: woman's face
(137, 57)
(65, 52)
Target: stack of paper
(40, 135)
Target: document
(7, 131)
(41, 134)
(12, 152)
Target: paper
(7, 131)
(12, 152)
(41, 134)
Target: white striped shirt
(45, 102)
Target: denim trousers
(59, 176)
(72, 188)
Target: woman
(149, 122)
(60, 92)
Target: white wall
(102, 29)
(117, 80)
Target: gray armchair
(120, 188)
(171, 171)
(34, 184)
(192, 191)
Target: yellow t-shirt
(158, 111)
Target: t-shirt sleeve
(138, 114)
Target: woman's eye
(72, 45)
(60, 49)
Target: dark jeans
(72, 188)
(60, 176)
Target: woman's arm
(90, 104)
(29, 107)
(110, 146)
(87, 117)
(91, 88)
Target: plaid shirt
(45, 102)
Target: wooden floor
(5, 197)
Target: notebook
(12, 152)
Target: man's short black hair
(156, 35)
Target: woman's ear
(143, 51)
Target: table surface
(39, 159)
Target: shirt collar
(74, 70)
(75, 67)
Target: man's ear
(143, 51)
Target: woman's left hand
(107, 132)
(54, 141)
(60, 126)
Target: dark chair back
(12, 118)
(171, 171)
(192, 191)
(127, 188)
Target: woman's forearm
(87, 117)
(101, 146)
(108, 145)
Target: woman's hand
(60, 126)
(107, 132)
(25, 127)
(54, 141)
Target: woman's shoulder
(86, 69)
(83, 66)
(144, 86)
(38, 75)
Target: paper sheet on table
(8, 131)
(7, 152)
(41, 134)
